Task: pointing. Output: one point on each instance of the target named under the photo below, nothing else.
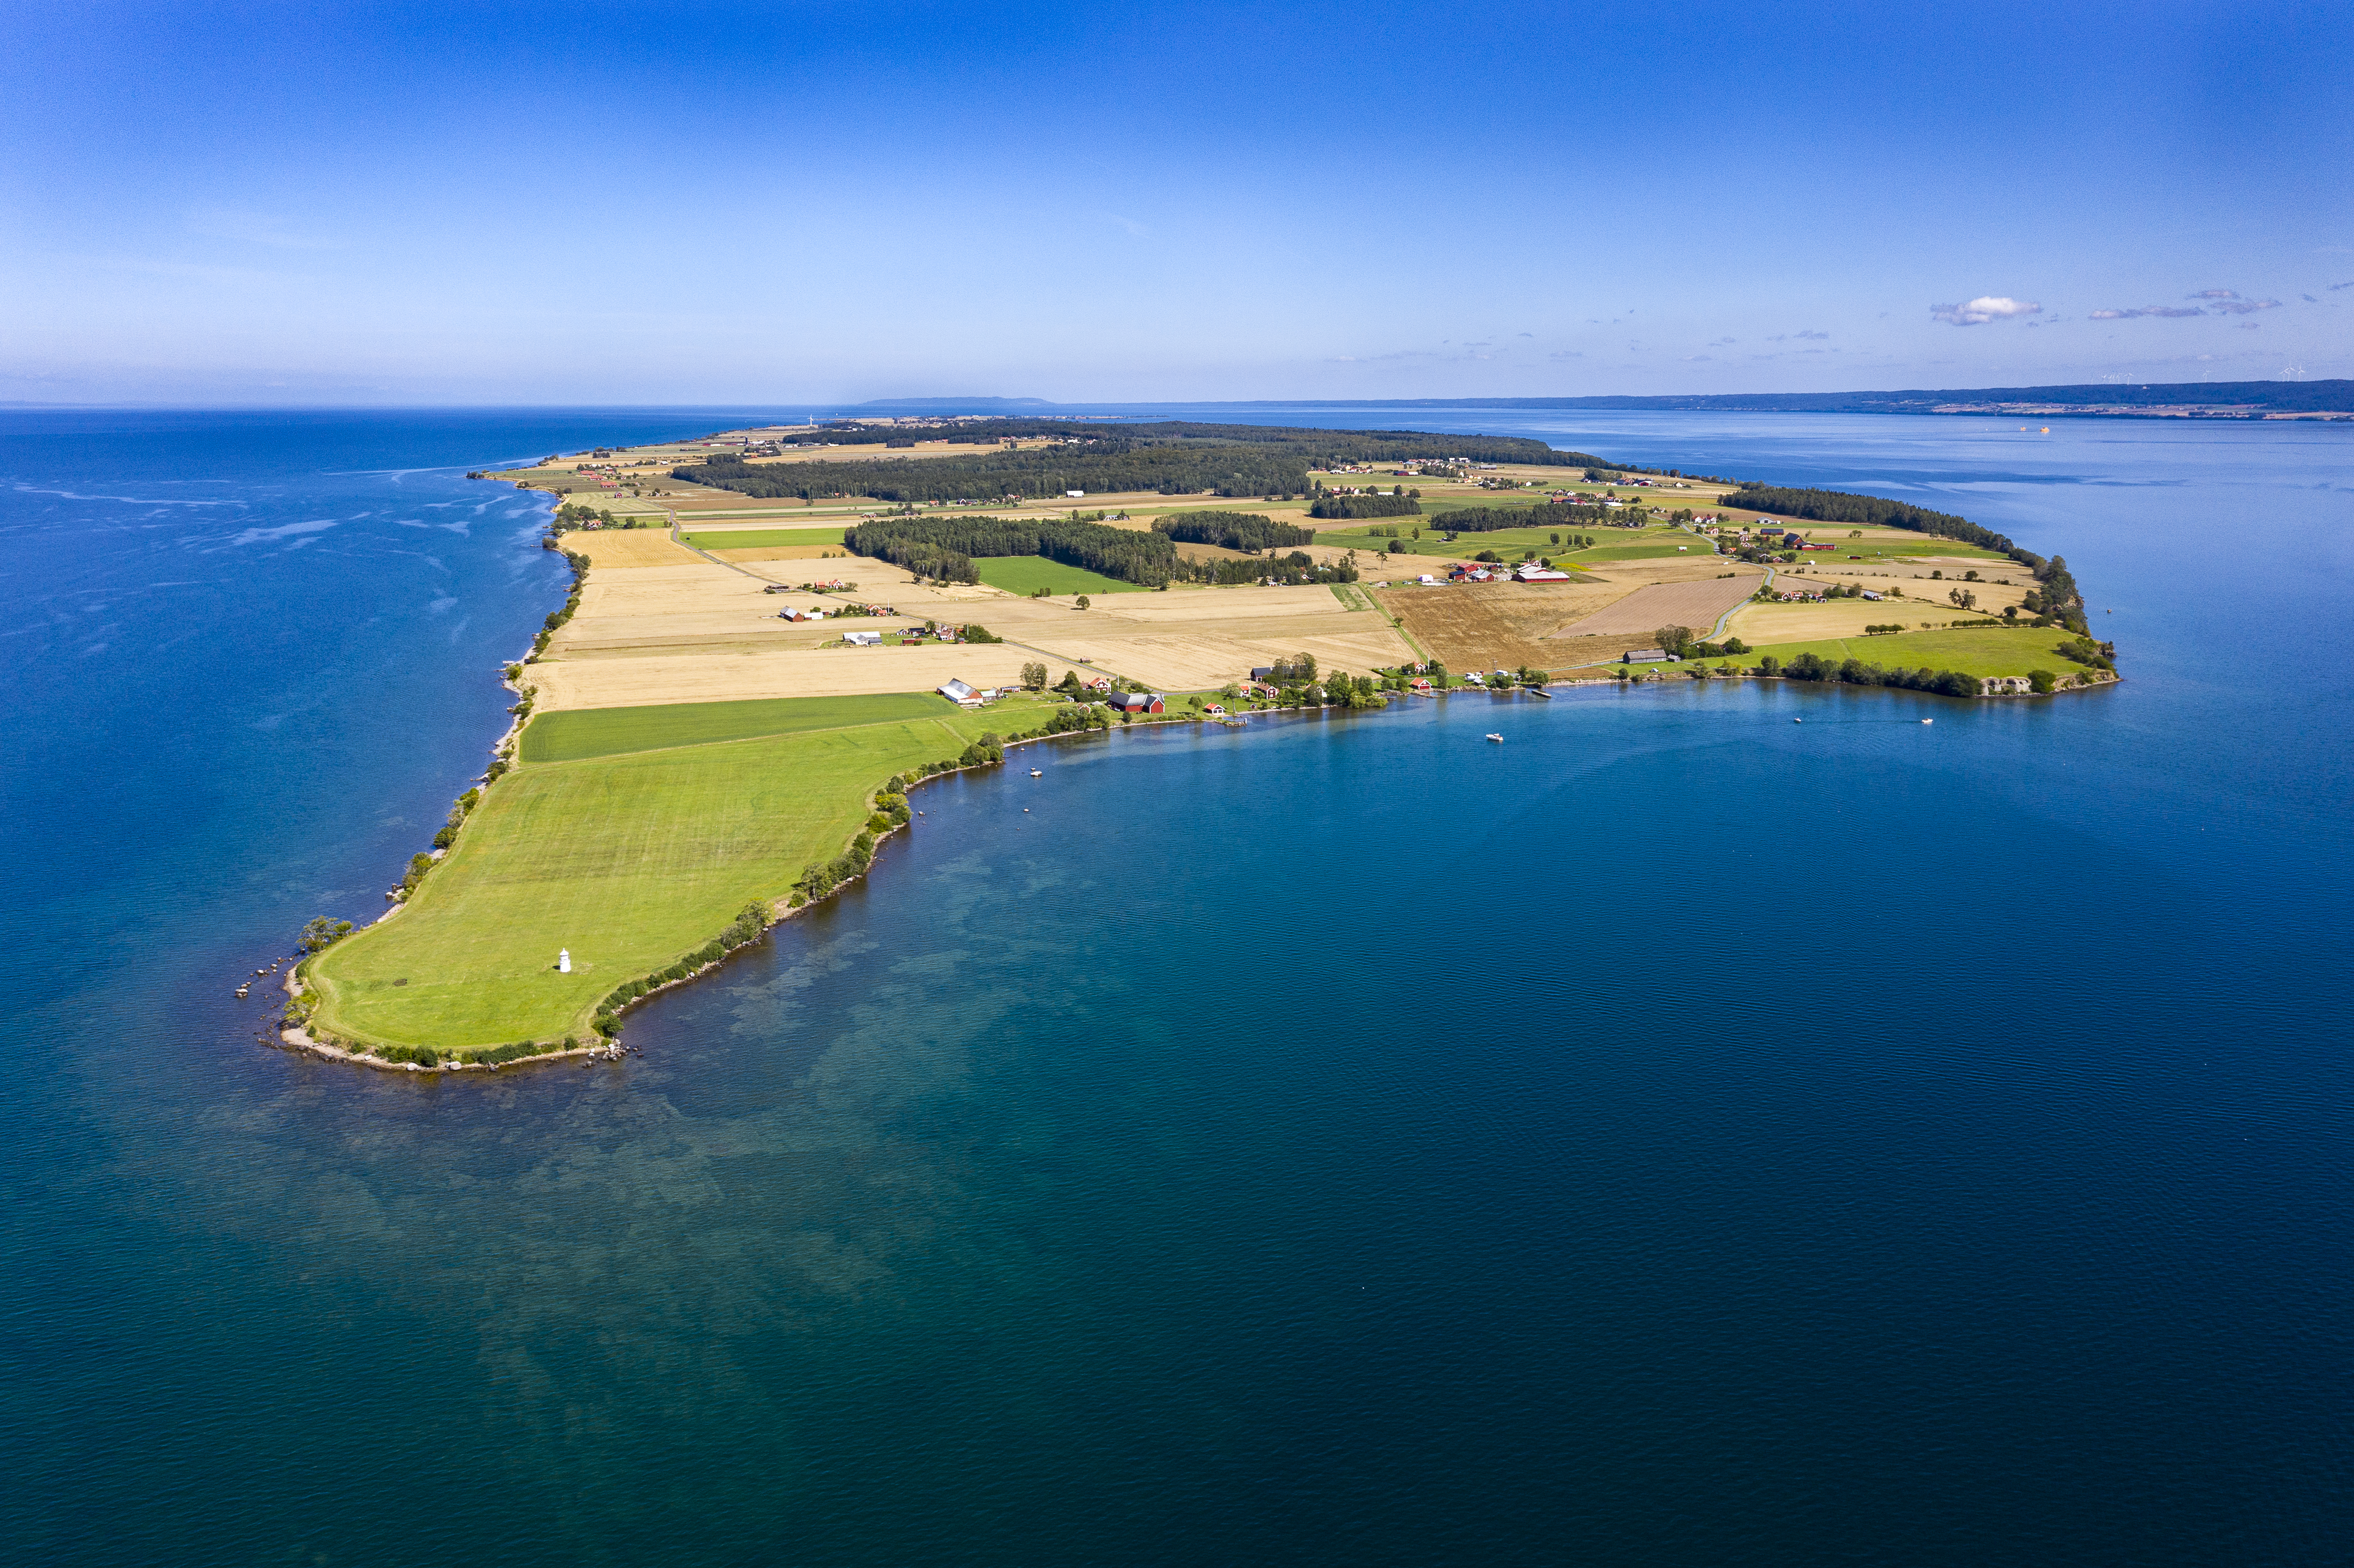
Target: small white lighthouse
(564, 960)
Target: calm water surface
(1677, 1134)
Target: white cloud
(1984, 309)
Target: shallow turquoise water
(1674, 1135)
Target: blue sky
(815, 203)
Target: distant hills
(2178, 399)
(954, 405)
(2208, 400)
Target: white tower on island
(564, 960)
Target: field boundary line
(729, 740)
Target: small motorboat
(1037, 773)
(1497, 739)
(1928, 720)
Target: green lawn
(763, 538)
(630, 862)
(2007, 652)
(1028, 574)
(609, 732)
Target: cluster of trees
(1290, 570)
(1298, 687)
(1856, 672)
(1075, 718)
(2085, 651)
(937, 542)
(1247, 531)
(458, 813)
(572, 514)
(322, 933)
(1545, 515)
(1364, 506)
(2056, 598)
(1684, 643)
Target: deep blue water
(1675, 1136)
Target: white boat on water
(1037, 773)
(1497, 739)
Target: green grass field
(1610, 544)
(763, 538)
(610, 732)
(1028, 574)
(2007, 652)
(630, 861)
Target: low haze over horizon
(804, 205)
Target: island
(774, 635)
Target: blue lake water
(1676, 1134)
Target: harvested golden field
(627, 548)
(876, 450)
(1763, 623)
(1696, 604)
(699, 632)
(1489, 626)
(726, 676)
(791, 553)
(1700, 567)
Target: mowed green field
(630, 861)
(1028, 574)
(610, 732)
(1883, 545)
(1610, 544)
(762, 538)
(2007, 652)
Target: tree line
(1292, 570)
(925, 544)
(1247, 531)
(1364, 506)
(1167, 457)
(1544, 514)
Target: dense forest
(1545, 515)
(1294, 569)
(1247, 531)
(2059, 597)
(1340, 446)
(921, 543)
(1029, 475)
(1169, 458)
(1365, 506)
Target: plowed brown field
(1694, 604)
